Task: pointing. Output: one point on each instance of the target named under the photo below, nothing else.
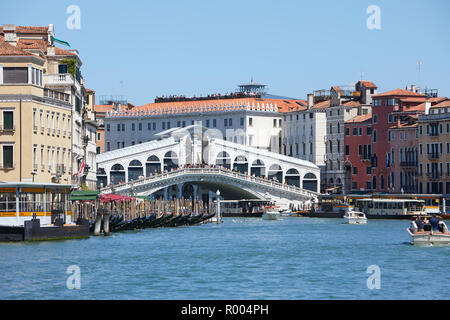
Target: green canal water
(292, 258)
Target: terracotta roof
(404, 125)
(368, 84)
(421, 106)
(103, 107)
(9, 50)
(335, 88)
(31, 29)
(220, 105)
(89, 90)
(360, 118)
(399, 92)
(322, 105)
(351, 103)
(442, 104)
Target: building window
(108, 147)
(355, 170)
(274, 123)
(8, 156)
(250, 121)
(369, 131)
(359, 131)
(8, 120)
(242, 122)
(375, 118)
(207, 123)
(374, 136)
(140, 126)
(132, 127)
(15, 75)
(347, 131)
(355, 131)
(225, 122)
(230, 122)
(347, 150)
(214, 123)
(123, 126)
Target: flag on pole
(81, 169)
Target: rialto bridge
(194, 161)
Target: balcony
(408, 164)
(434, 175)
(433, 156)
(56, 95)
(61, 79)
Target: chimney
(427, 106)
(310, 100)
(9, 31)
(413, 88)
(51, 33)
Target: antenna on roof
(361, 73)
(419, 63)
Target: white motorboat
(430, 237)
(271, 213)
(355, 217)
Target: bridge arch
(292, 177)
(241, 164)
(310, 182)
(275, 172)
(170, 161)
(117, 174)
(102, 178)
(152, 165)
(223, 159)
(258, 168)
(135, 170)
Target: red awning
(114, 197)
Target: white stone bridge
(185, 163)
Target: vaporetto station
(195, 161)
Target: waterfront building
(403, 156)
(100, 111)
(304, 132)
(357, 153)
(62, 152)
(388, 108)
(346, 102)
(434, 147)
(241, 117)
(35, 120)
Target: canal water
(292, 258)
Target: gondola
(195, 219)
(163, 220)
(172, 222)
(184, 220)
(149, 221)
(206, 217)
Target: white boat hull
(271, 215)
(352, 220)
(429, 239)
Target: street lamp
(218, 206)
(33, 173)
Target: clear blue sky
(141, 49)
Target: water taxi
(36, 211)
(429, 237)
(271, 213)
(355, 217)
